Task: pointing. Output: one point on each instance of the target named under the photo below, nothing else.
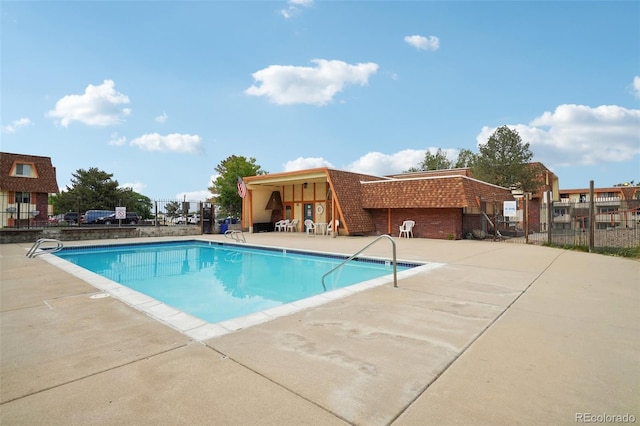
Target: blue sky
(159, 93)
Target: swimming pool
(207, 287)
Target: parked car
(179, 220)
(92, 216)
(132, 219)
(193, 219)
(71, 217)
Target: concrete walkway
(501, 334)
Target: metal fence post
(549, 216)
(592, 218)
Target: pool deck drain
(500, 334)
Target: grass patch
(630, 252)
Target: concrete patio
(501, 334)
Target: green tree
(505, 161)
(135, 202)
(629, 183)
(172, 208)
(466, 158)
(225, 186)
(437, 161)
(96, 189)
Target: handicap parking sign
(121, 212)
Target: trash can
(223, 227)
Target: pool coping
(199, 329)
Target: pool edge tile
(199, 329)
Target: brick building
(445, 204)
(25, 184)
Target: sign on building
(510, 208)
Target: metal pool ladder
(393, 243)
(235, 235)
(33, 251)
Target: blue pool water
(216, 282)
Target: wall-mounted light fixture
(305, 185)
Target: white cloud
(580, 135)
(99, 106)
(287, 84)
(636, 86)
(117, 140)
(294, 7)
(174, 142)
(372, 163)
(379, 164)
(194, 196)
(136, 186)
(301, 163)
(16, 124)
(161, 118)
(212, 179)
(422, 42)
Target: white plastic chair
(310, 227)
(406, 229)
(332, 226)
(292, 226)
(281, 225)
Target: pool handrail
(235, 235)
(33, 251)
(393, 243)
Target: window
(559, 212)
(23, 197)
(23, 170)
(608, 209)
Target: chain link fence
(615, 223)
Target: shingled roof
(355, 194)
(544, 176)
(347, 188)
(433, 192)
(44, 182)
(462, 171)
